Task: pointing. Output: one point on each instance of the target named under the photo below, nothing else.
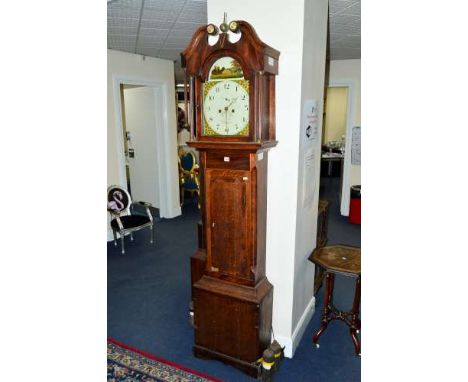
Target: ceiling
(163, 28)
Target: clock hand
(226, 125)
(226, 111)
(232, 101)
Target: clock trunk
(228, 217)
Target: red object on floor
(355, 211)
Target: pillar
(298, 30)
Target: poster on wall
(310, 138)
(308, 185)
(310, 128)
(356, 146)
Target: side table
(344, 260)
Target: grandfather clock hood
(255, 51)
(249, 114)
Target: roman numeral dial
(226, 107)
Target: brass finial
(224, 27)
(212, 29)
(234, 26)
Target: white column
(313, 78)
(298, 30)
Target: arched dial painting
(226, 99)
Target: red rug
(126, 363)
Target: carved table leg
(329, 285)
(355, 321)
(318, 279)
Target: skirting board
(173, 212)
(290, 344)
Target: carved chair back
(118, 200)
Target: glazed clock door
(228, 218)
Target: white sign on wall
(308, 181)
(310, 131)
(310, 127)
(356, 146)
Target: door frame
(167, 169)
(351, 103)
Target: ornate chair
(123, 220)
(189, 179)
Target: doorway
(334, 127)
(333, 142)
(336, 135)
(147, 156)
(139, 136)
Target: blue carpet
(149, 293)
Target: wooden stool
(343, 260)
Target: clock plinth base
(232, 322)
(250, 369)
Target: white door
(140, 119)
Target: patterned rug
(127, 364)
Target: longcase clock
(232, 85)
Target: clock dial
(226, 108)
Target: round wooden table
(343, 260)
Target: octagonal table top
(338, 259)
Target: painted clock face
(226, 100)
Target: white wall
(281, 25)
(135, 70)
(350, 71)
(313, 78)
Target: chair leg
(131, 236)
(182, 196)
(152, 234)
(327, 306)
(115, 237)
(355, 322)
(122, 243)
